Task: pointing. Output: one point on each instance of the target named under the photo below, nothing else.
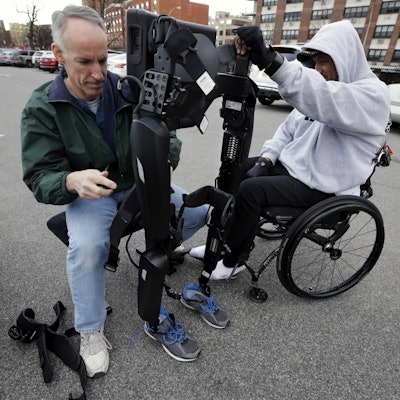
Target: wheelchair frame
(323, 252)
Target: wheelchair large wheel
(331, 247)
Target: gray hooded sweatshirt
(329, 140)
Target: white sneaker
(222, 272)
(94, 351)
(198, 252)
(180, 249)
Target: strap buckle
(17, 333)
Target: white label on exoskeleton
(233, 105)
(205, 83)
(204, 124)
(140, 170)
(144, 274)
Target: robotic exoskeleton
(177, 66)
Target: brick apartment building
(114, 15)
(377, 23)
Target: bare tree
(115, 39)
(100, 5)
(32, 14)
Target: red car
(48, 62)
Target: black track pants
(253, 195)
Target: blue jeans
(88, 223)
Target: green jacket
(58, 137)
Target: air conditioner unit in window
(353, 20)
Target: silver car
(5, 56)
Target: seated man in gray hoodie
(326, 145)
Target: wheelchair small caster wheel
(257, 295)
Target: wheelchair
(326, 249)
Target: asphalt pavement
(342, 348)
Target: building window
(321, 14)
(268, 3)
(355, 12)
(293, 16)
(376, 55)
(290, 34)
(390, 7)
(396, 56)
(383, 31)
(359, 31)
(268, 35)
(312, 32)
(293, 1)
(268, 18)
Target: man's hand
(90, 184)
(261, 168)
(250, 38)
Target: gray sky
(9, 13)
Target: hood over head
(341, 42)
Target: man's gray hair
(60, 19)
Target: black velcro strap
(179, 41)
(47, 338)
(180, 44)
(216, 198)
(125, 220)
(275, 64)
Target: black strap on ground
(27, 329)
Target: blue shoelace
(131, 341)
(211, 307)
(175, 334)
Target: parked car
(117, 64)
(48, 62)
(394, 91)
(22, 58)
(45, 53)
(35, 58)
(268, 89)
(5, 56)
